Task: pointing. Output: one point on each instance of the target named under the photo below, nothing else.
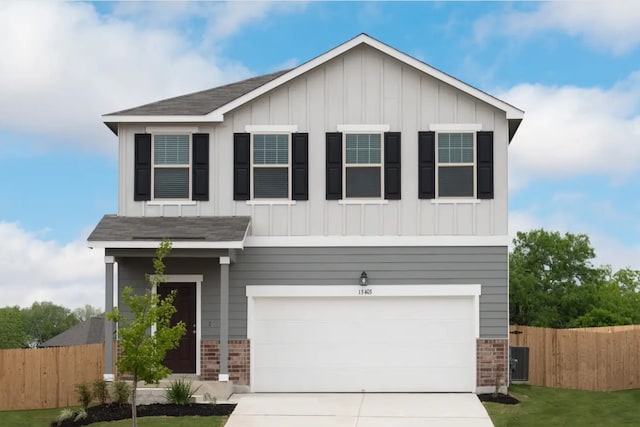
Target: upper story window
(455, 172)
(455, 162)
(363, 165)
(270, 166)
(171, 166)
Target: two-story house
(340, 226)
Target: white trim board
(153, 244)
(374, 241)
(189, 278)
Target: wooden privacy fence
(46, 377)
(596, 359)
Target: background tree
(44, 320)
(86, 312)
(142, 352)
(12, 333)
(553, 283)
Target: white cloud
(64, 65)
(33, 269)
(606, 24)
(569, 131)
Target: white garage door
(371, 343)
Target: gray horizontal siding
(486, 266)
(131, 272)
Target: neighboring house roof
(220, 232)
(91, 331)
(192, 108)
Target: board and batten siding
(486, 266)
(362, 86)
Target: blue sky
(574, 67)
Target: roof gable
(190, 108)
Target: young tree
(143, 352)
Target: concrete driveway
(358, 410)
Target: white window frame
(345, 165)
(474, 164)
(189, 166)
(267, 166)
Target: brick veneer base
(492, 360)
(239, 360)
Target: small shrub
(121, 392)
(84, 394)
(180, 392)
(80, 414)
(100, 391)
(209, 398)
(65, 414)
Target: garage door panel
(381, 344)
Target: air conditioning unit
(519, 364)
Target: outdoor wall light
(364, 280)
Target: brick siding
(239, 360)
(492, 359)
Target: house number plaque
(365, 291)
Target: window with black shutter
(455, 164)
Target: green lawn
(43, 417)
(548, 407)
(38, 417)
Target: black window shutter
(392, 187)
(200, 167)
(300, 166)
(484, 141)
(241, 166)
(334, 165)
(142, 172)
(427, 165)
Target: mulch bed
(120, 412)
(505, 399)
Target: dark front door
(182, 360)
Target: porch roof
(208, 232)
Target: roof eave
(513, 114)
(511, 111)
(153, 244)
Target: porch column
(108, 325)
(224, 318)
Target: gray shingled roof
(91, 331)
(202, 229)
(200, 103)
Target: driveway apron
(358, 410)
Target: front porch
(203, 249)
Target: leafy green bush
(180, 392)
(121, 392)
(100, 391)
(84, 394)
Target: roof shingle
(200, 103)
(113, 228)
